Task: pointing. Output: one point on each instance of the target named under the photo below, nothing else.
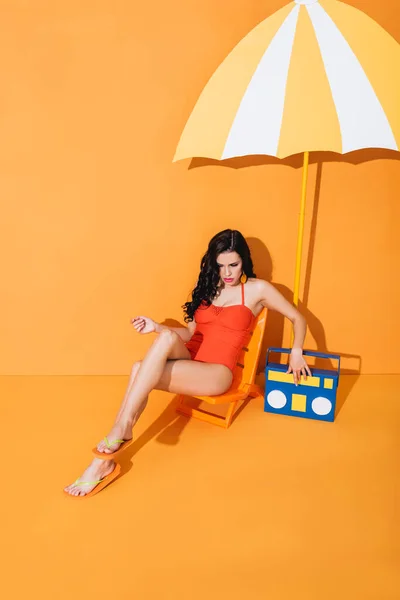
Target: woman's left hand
(298, 366)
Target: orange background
(97, 224)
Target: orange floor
(273, 508)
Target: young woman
(198, 359)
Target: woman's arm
(146, 325)
(272, 299)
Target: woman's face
(230, 268)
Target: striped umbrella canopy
(318, 75)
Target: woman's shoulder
(258, 288)
(257, 283)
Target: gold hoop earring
(243, 278)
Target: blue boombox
(314, 398)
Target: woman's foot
(120, 431)
(98, 469)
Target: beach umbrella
(317, 75)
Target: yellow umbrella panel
(318, 75)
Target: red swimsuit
(221, 332)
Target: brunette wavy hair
(229, 240)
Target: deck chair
(242, 387)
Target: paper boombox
(314, 398)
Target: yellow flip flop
(102, 483)
(112, 455)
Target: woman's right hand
(144, 324)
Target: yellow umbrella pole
(300, 235)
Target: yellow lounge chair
(243, 385)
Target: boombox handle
(306, 353)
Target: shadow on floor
(166, 429)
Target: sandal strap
(109, 444)
(87, 482)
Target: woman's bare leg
(134, 372)
(168, 345)
(165, 368)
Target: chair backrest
(246, 369)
